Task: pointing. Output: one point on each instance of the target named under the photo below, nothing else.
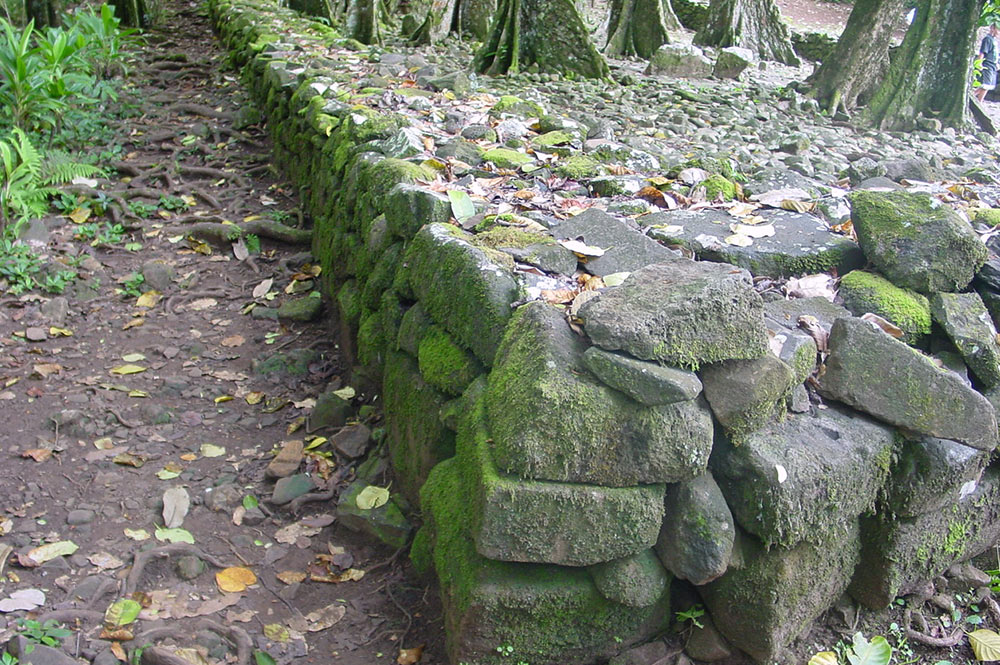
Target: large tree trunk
(362, 21)
(42, 12)
(546, 33)
(929, 74)
(437, 23)
(322, 8)
(861, 57)
(13, 11)
(132, 13)
(636, 27)
(669, 17)
(474, 17)
(751, 24)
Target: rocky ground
(143, 414)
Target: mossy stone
(505, 158)
(444, 364)
(292, 363)
(512, 105)
(745, 395)
(965, 320)
(301, 309)
(718, 187)
(579, 167)
(349, 303)
(553, 138)
(864, 291)
(638, 580)
(386, 523)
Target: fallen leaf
(60, 332)
(261, 289)
(117, 634)
(202, 304)
(291, 576)
(181, 609)
(45, 370)
(410, 656)
(118, 651)
(134, 323)
(345, 393)
(582, 249)
(240, 617)
(212, 450)
(223, 398)
(148, 299)
(462, 206)
(886, 326)
(797, 206)
(105, 561)
(136, 534)
(616, 278)
(176, 504)
(122, 612)
(235, 579)
(254, 397)
(133, 357)
(168, 472)
(276, 632)
(37, 454)
(235, 340)
(43, 553)
(192, 656)
(753, 231)
(811, 286)
(289, 534)
(738, 240)
(824, 658)
(127, 369)
(173, 535)
(129, 459)
(263, 658)
(985, 644)
(372, 497)
(320, 619)
(23, 599)
(79, 215)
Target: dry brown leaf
(887, 326)
(134, 323)
(118, 651)
(181, 610)
(235, 340)
(235, 579)
(558, 296)
(291, 576)
(38, 454)
(45, 370)
(410, 656)
(118, 635)
(653, 195)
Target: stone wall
(568, 463)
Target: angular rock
(408, 207)
(786, 312)
(732, 61)
(916, 241)
(30, 652)
(291, 487)
(444, 364)
(626, 249)
(770, 597)
(964, 318)
(801, 243)
(807, 476)
(989, 274)
(569, 524)
(873, 372)
(931, 474)
(555, 614)
(646, 382)
(899, 555)
(747, 394)
(412, 328)
(158, 275)
(80, 516)
(679, 61)
(385, 523)
(864, 292)
(659, 313)
(706, 644)
(550, 420)
(331, 410)
(352, 441)
(636, 581)
(476, 314)
(644, 654)
(549, 257)
(287, 461)
(696, 539)
(794, 348)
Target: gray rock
(794, 348)
(645, 382)
(877, 374)
(801, 243)
(808, 475)
(72, 422)
(352, 441)
(706, 644)
(786, 312)
(863, 169)
(747, 394)
(989, 274)
(679, 61)
(773, 178)
(56, 310)
(386, 522)
(549, 257)
(964, 318)
(638, 580)
(458, 82)
(80, 516)
(291, 487)
(331, 411)
(408, 207)
(188, 567)
(916, 241)
(301, 309)
(406, 142)
(930, 474)
(650, 653)
(253, 516)
(158, 275)
(31, 653)
(913, 168)
(223, 498)
(658, 313)
(696, 538)
(105, 657)
(732, 61)
(878, 184)
(626, 249)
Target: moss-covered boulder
(794, 348)
(931, 474)
(637, 581)
(386, 522)
(444, 364)
(769, 597)
(964, 318)
(551, 420)
(745, 395)
(870, 292)
(303, 309)
(625, 248)
(807, 476)
(505, 158)
(511, 105)
(409, 206)
(646, 382)
(880, 375)
(718, 187)
(897, 555)
(916, 241)
(660, 313)
(542, 614)
(416, 437)
(464, 291)
(579, 167)
(696, 539)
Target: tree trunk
(636, 27)
(322, 8)
(43, 12)
(546, 33)
(751, 24)
(861, 57)
(669, 17)
(362, 21)
(437, 23)
(131, 13)
(13, 11)
(930, 73)
(474, 17)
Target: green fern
(27, 178)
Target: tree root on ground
(163, 656)
(921, 637)
(200, 109)
(142, 559)
(225, 234)
(295, 505)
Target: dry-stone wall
(566, 474)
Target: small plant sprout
(691, 614)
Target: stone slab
(696, 539)
(626, 249)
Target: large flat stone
(683, 313)
(797, 480)
(801, 244)
(966, 321)
(768, 598)
(747, 394)
(626, 249)
(898, 555)
(864, 292)
(696, 539)
(548, 615)
(877, 374)
(551, 420)
(646, 382)
(475, 313)
(916, 241)
(570, 524)
(931, 474)
(786, 312)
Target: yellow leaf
(291, 576)
(251, 218)
(128, 369)
(189, 457)
(372, 497)
(223, 398)
(254, 397)
(985, 644)
(138, 393)
(189, 200)
(133, 357)
(410, 656)
(148, 299)
(797, 206)
(134, 323)
(212, 450)
(79, 215)
(316, 443)
(201, 248)
(60, 332)
(164, 214)
(235, 579)
(824, 658)
(276, 632)
(739, 240)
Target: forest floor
(131, 405)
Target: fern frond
(30, 158)
(59, 168)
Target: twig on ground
(142, 559)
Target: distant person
(988, 54)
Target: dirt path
(113, 395)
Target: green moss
(553, 138)
(579, 167)
(868, 292)
(506, 236)
(505, 158)
(717, 186)
(989, 216)
(421, 552)
(517, 106)
(444, 364)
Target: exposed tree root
(68, 616)
(142, 559)
(160, 656)
(921, 637)
(200, 109)
(209, 172)
(225, 234)
(295, 505)
(244, 645)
